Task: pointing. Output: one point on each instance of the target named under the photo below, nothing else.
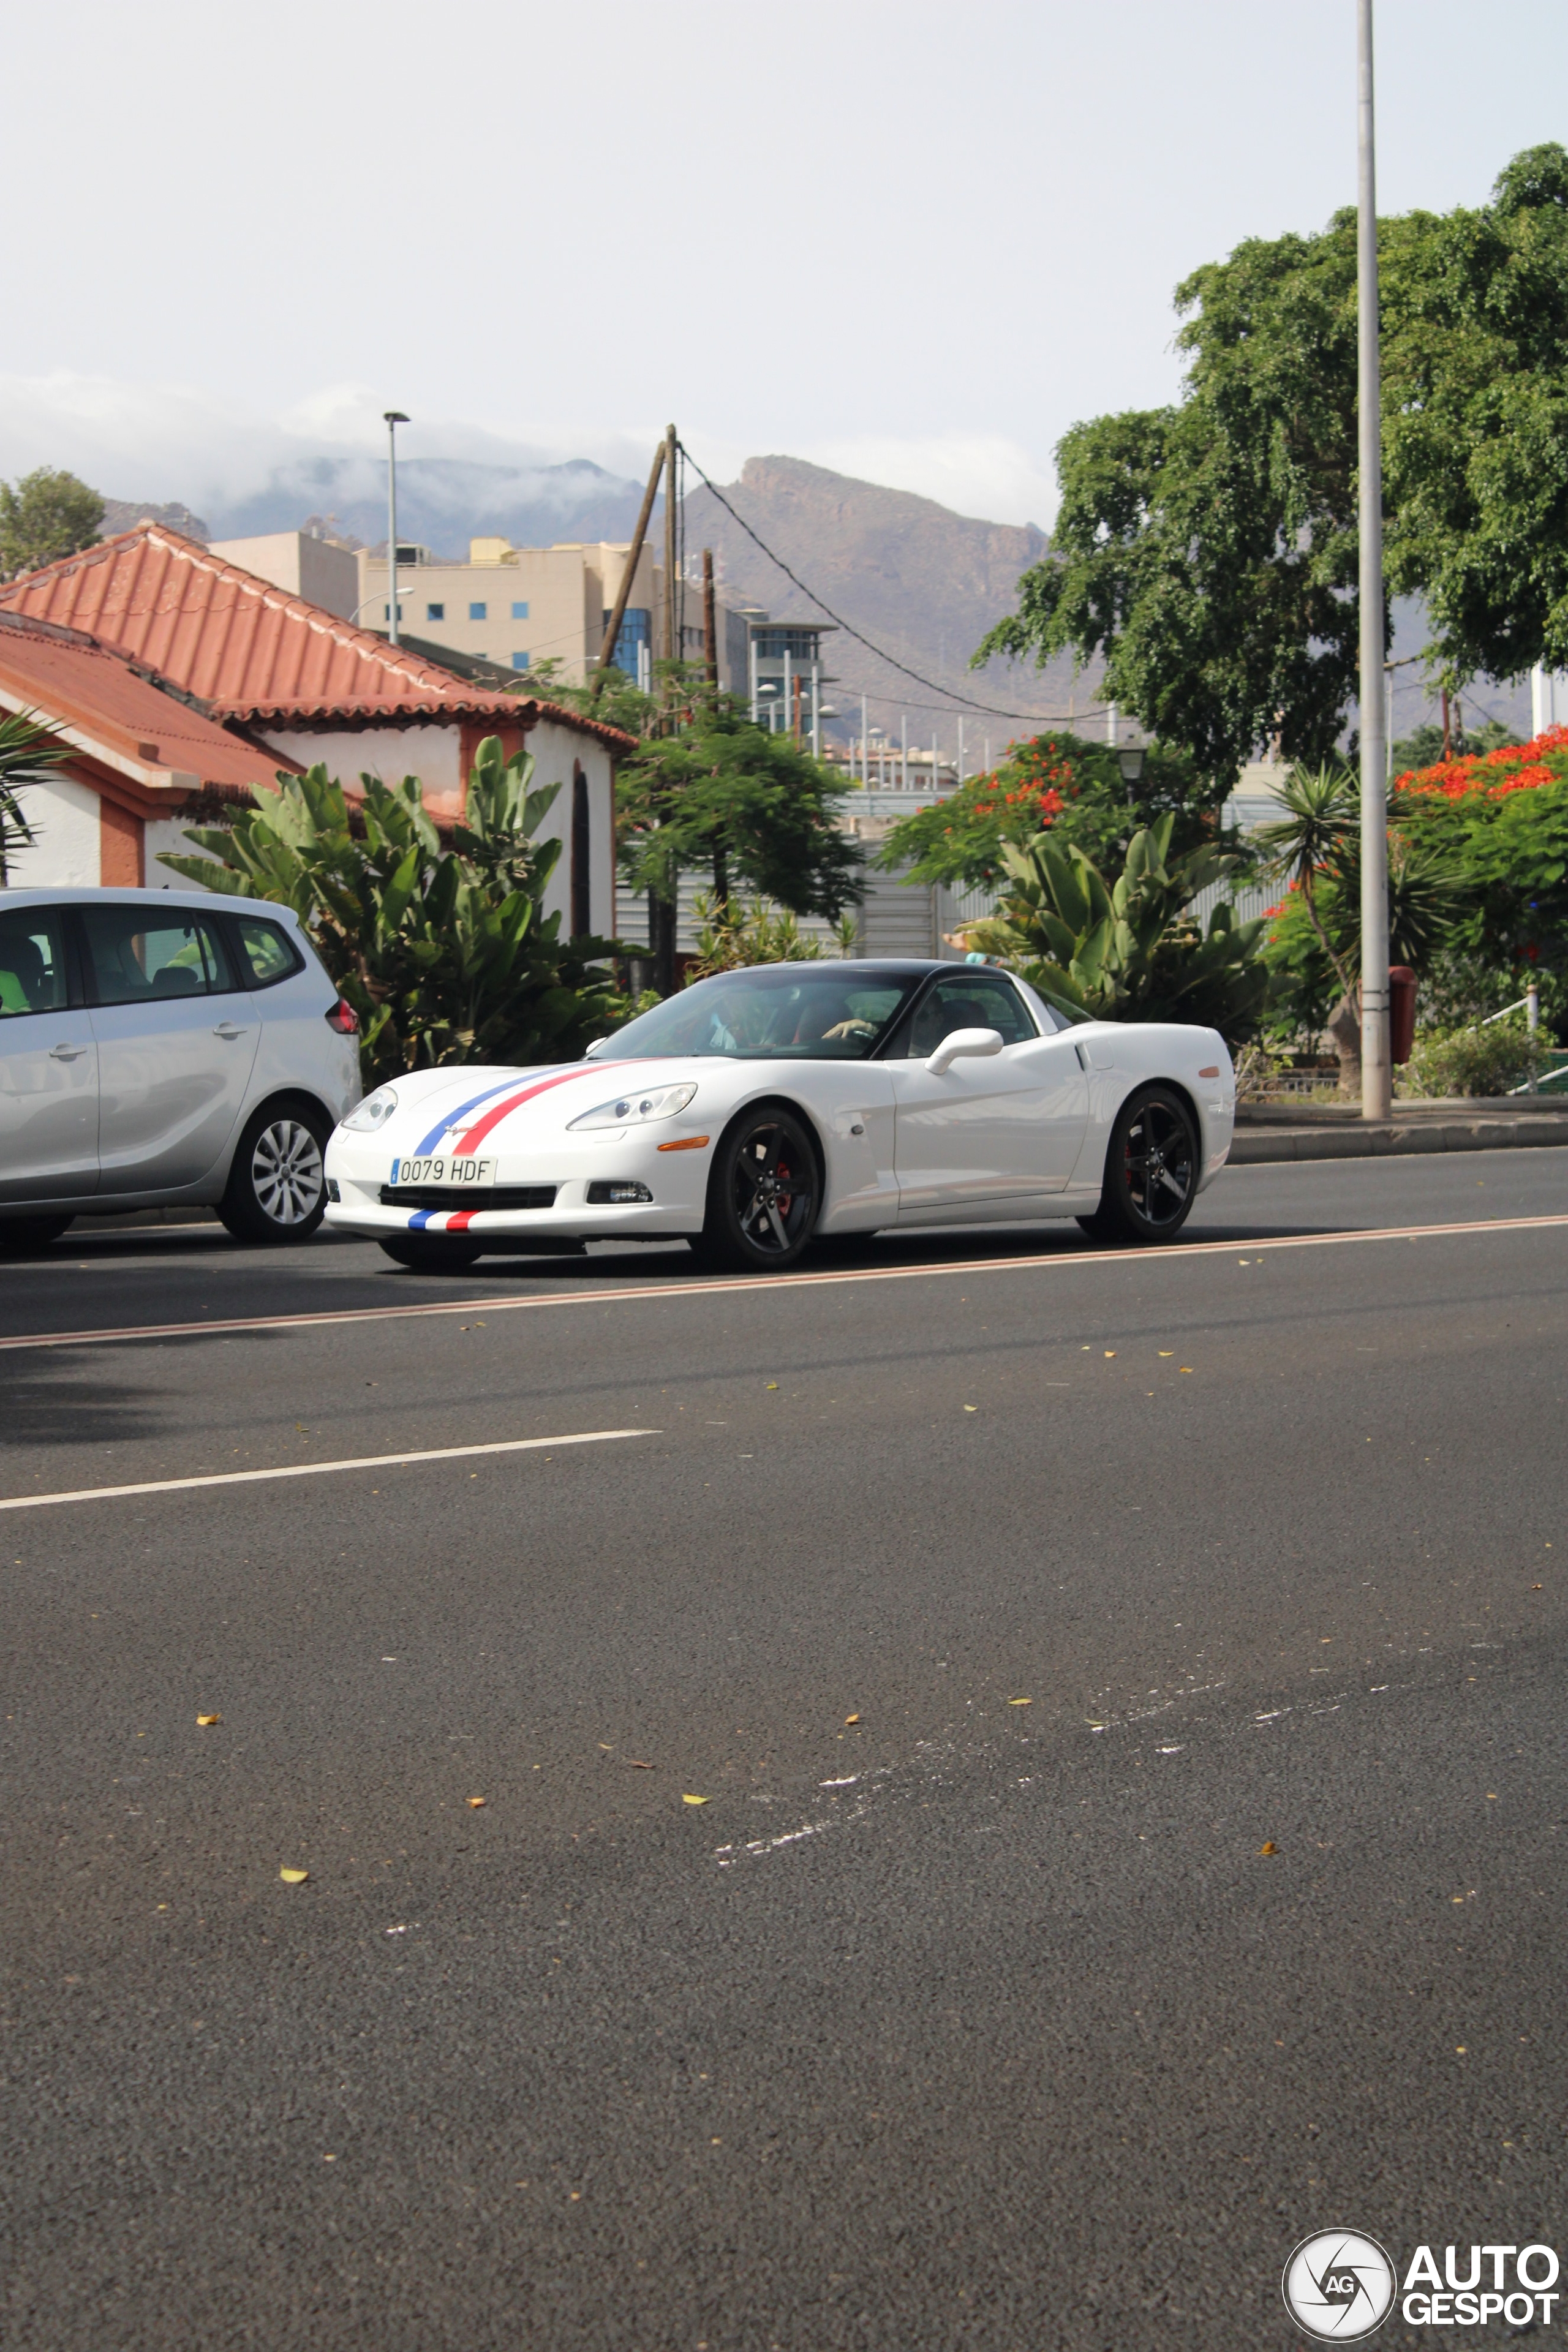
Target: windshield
(774, 1012)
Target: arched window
(582, 855)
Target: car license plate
(443, 1168)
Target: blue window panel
(637, 629)
(435, 612)
(520, 661)
(519, 612)
(479, 612)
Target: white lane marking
(320, 1469)
(1178, 1252)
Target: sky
(907, 239)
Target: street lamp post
(392, 418)
(1376, 1070)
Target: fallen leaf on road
(204, 1719)
(1020, 1702)
(1183, 1367)
(773, 1384)
(1269, 1847)
(475, 1801)
(694, 1800)
(606, 1746)
(637, 1764)
(1108, 1354)
(293, 1877)
(972, 1408)
(851, 1719)
(1167, 1351)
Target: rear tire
(277, 1192)
(763, 1195)
(433, 1253)
(20, 1235)
(1150, 1171)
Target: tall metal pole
(1376, 1071)
(392, 418)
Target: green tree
(45, 515)
(1208, 550)
(718, 794)
(1128, 950)
(27, 758)
(444, 953)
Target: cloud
(981, 474)
(171, 441)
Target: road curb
(1395, 1138)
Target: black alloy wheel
(276, 1190)
(1151, 1171)
(18, 1236)
(762, 1195)
(433, 1253)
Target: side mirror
(963, 1041)
(596, 1047)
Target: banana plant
(1128, 950)
(444, 949)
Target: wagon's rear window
(777, 1012)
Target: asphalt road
(1042, 1963)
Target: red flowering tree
(1500, 818)
(1058, 783)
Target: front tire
(276, 1190)
(433, 1253)
(1151, 1171)
(763, 1195)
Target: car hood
(470, 1109)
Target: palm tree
(27, 757)
(1323, 811)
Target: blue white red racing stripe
(462, 1110)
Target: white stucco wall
(66, 817)
(432, 753)
(163, 833)
(554, 750)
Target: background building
(515, 607)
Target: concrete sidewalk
(1283, 1131)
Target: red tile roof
(250, 651)
(112, 714)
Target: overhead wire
(993, 710)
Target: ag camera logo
(1338, 2285)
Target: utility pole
(629, 576)
(904, 750)
(866, 746)
(709, 621)
(1376, 1071)
(392, 418)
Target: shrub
(1479, 1061)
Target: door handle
(67, 1052)
(226, 1030)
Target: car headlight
(634, 1109)
(374, 1112)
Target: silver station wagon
(161, 1047)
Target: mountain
(923, 583)
(442, 502)
(125, 514)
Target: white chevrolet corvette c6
(762, 1108)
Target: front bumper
(676, 1180)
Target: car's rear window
(267, 953)
(137, 954)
